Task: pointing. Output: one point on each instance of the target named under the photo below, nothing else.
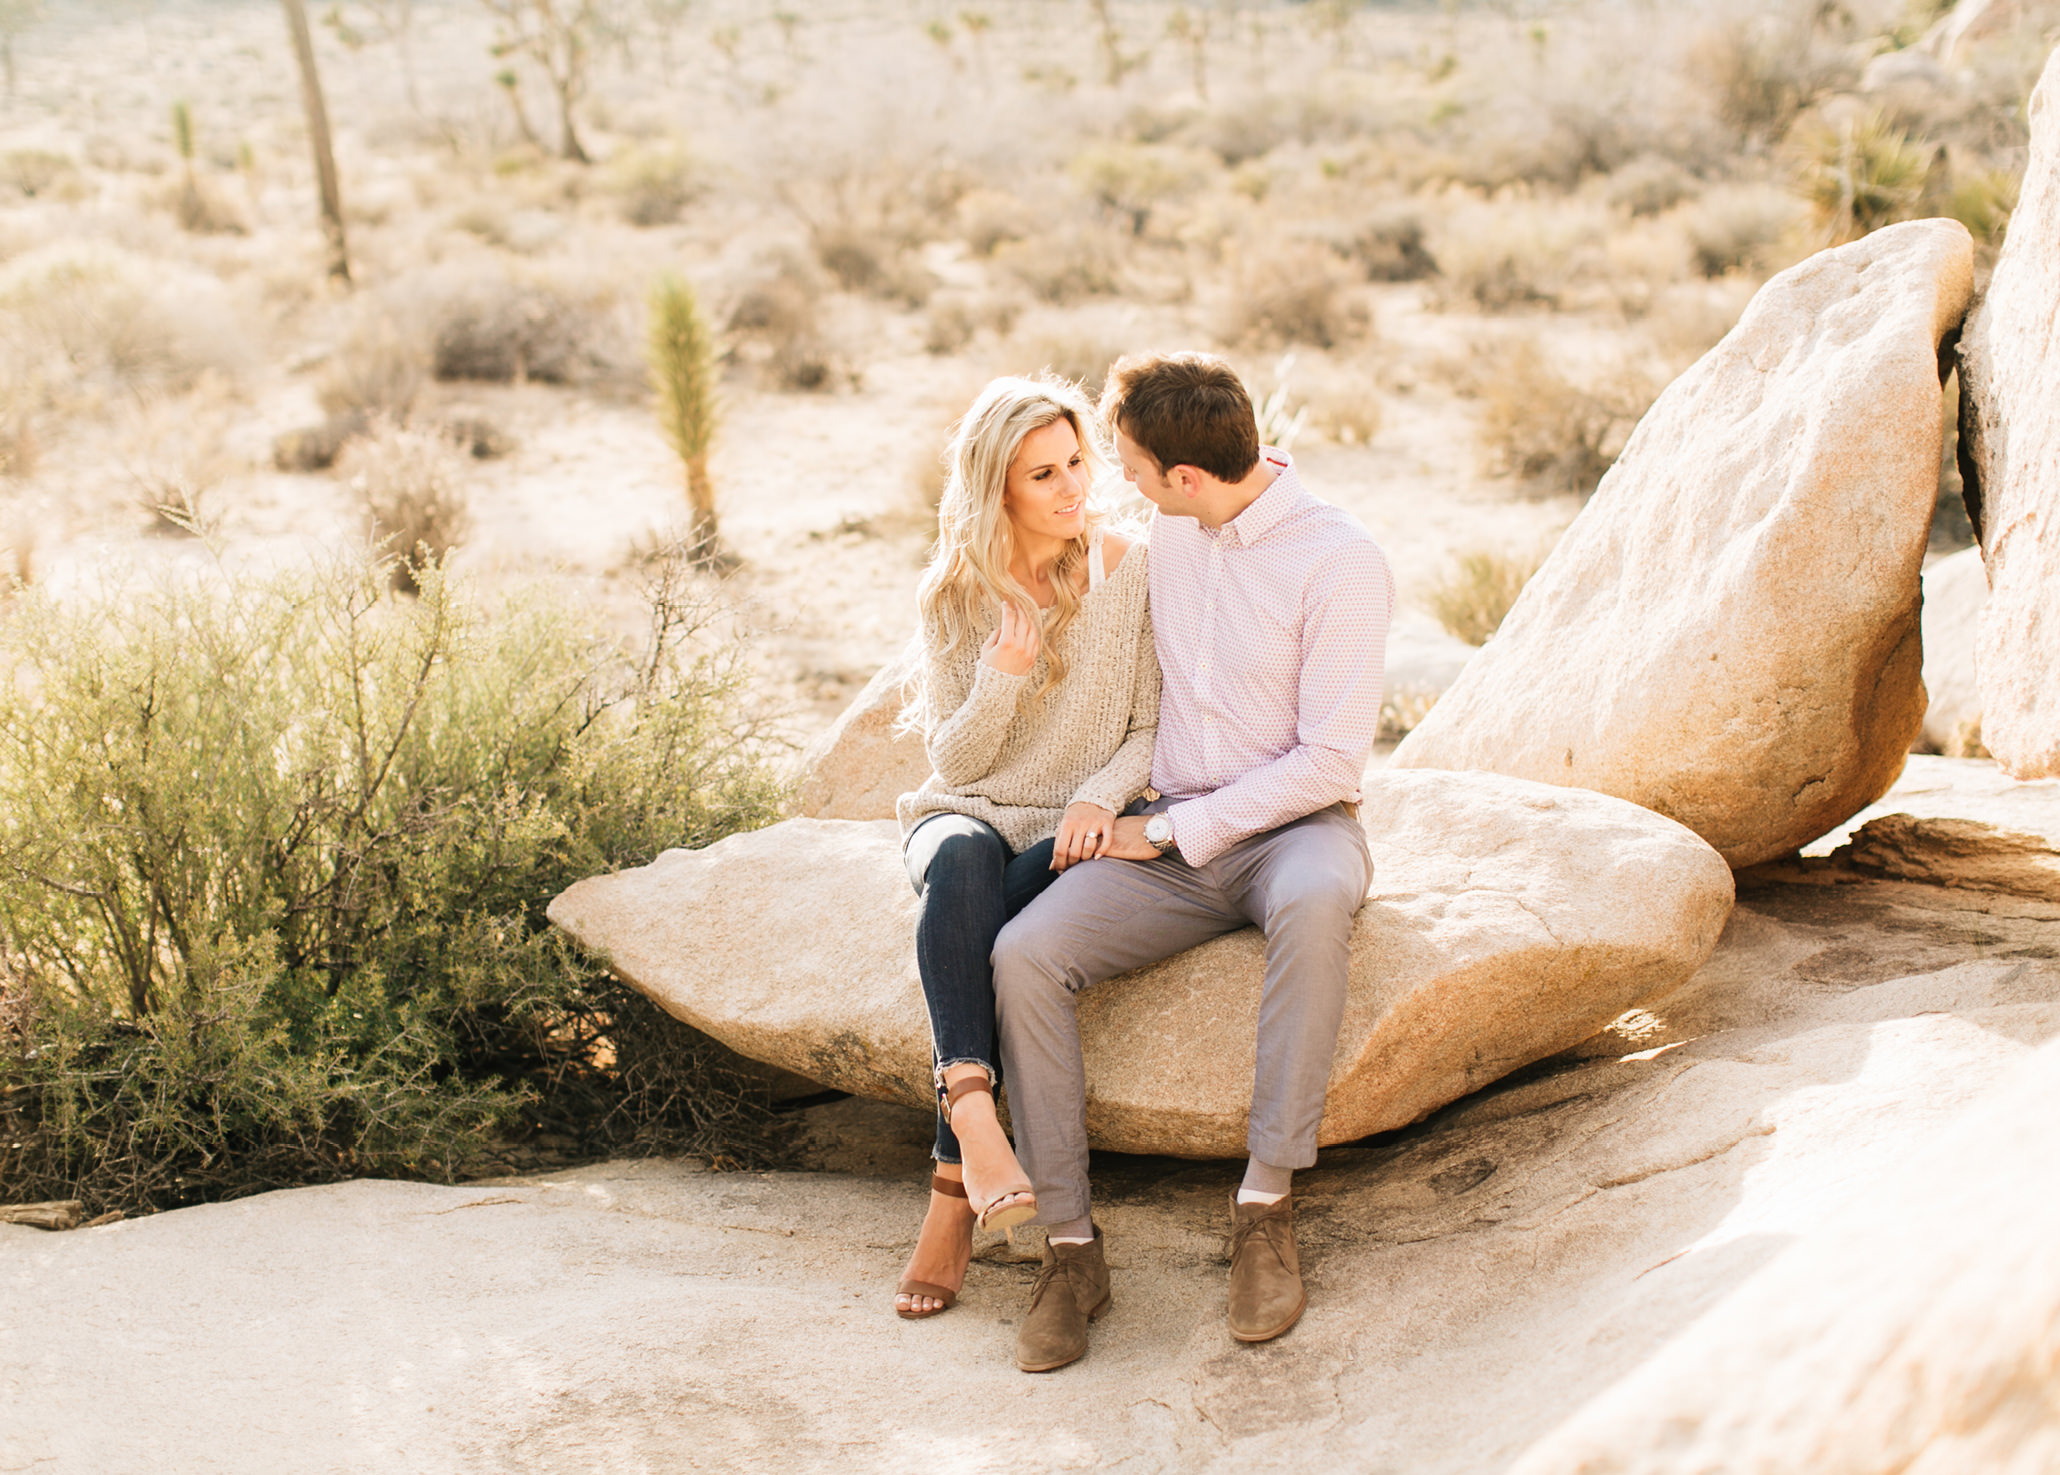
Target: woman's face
(1046, 491)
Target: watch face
(1158, 829)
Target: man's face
(1142, 472)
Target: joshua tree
(666, 17)
(1115, 64)
(395, 21)
(1193, 31)
(16, 16)
(681, 357)
(558, 35)
(318, 139)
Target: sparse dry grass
(177, 455)
(1476, 594)
(1065, 263)
(523, 328)
(1541, 425)
(86, 316)
(1501, 254)
(775, 324)
(1292, 292)
(410, 483)
(377, 370)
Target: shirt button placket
(1205, 680)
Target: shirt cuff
(1190, 821)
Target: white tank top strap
(1096, 569)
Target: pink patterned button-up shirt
(1271, 633)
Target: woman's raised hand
(1084, 833)
(1012, 648)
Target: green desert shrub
(1982, 201)
(274, 856)
(1132, 181)
(1862, 175)
(652, 185)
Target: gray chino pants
(1300, 884)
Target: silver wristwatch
(1159, 831)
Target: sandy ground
(1474, 1279)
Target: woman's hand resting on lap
(1084, 833)
(1012, 648)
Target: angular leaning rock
(1507, 921)
(2010, 432)
(1728, 632)
(862, 765)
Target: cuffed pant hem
(1280, 1151)
(1061, 1210)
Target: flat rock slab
(1728, 633)
(1958, 822)
(1507, 921)
(2010, 433)
(1474, 1280)
(1919, 1329)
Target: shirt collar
(1273, 504)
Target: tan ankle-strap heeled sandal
(1013, 1205)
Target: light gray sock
(1072, 1232)
(1264, 1183)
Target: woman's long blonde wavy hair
(968, 577)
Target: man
(1270, 611)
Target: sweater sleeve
(1129, 769)
(966, 720)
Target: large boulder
(1955, 589)
(1918, 1329)
(1507, 921)
(2010, 436)
(1728, 633)
(866, 760)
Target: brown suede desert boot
(1072, 1289)
(1266, 1295)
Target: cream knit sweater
(1016, 762)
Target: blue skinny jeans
(971, 884)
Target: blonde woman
(1038, 697)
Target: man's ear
(1187, 480)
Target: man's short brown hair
(1184, 409)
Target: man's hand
(1012, 648)
(1127, 841)
(1084, 833)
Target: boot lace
(1264, 1226)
